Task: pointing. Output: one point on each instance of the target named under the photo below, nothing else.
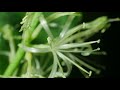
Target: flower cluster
(69, 41)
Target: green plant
(48, 42)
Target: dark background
(110, 44)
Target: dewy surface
(49, 42)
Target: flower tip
(49, 40)
(90, 73)
(19, 45)
(102, 31)
(98, 41)
(84, 25)
(98, 49)
(114, 20)
(20, 30)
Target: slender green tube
(18, 57)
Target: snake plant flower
(62, 47)
(50, 42)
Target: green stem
(12, 49)
(18, 57)
(20, 52)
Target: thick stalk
(20, 52)
(12, 67)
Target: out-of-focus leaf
(3, 63)
(12, 18)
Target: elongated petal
(34, 50)
(63, 56)
(75, 45)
